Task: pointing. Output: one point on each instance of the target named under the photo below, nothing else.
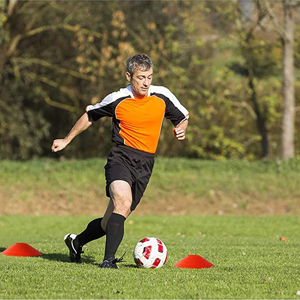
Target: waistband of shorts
(139, 152)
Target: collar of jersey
(131, 93)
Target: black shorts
(131, 165)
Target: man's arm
(180, 129)
(82, 124)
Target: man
(138, 112)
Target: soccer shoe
(111, 262)
(75, 250)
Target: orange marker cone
(194, 262)
(21, 249)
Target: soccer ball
(151, 253)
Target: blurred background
(233, 64)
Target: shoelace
(118, 260)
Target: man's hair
(140, 61)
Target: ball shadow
(130, 266)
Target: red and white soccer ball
(151, 253)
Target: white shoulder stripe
(167, 93)
(111, 98)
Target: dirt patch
(46, 203)
(202, 206)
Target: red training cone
(194, 262)
(21, 249)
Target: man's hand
(59, 145)
(179, 130)
(82, 124)
(179, 133)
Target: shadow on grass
(2, 249)
(65, 258)
(130, 266)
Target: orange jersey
(137, 122)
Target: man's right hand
(82, 124)
(59, 145)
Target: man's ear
(128, 76)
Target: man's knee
(120, 193)
(122, 206)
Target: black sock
(92, 232)
(114, 234)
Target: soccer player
(137, 112)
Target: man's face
(140, 81)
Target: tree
(258, 63)
(56, 58)
(221, 123)
(55, 61)
(43, 76)
(285, 30)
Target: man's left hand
(179, 130)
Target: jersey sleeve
(102, 109)
(175, 111)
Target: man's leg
(94, 230)
(121, 196)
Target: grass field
(250, 259)
(178, 186)
(232, 213)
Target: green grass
(250, 259)
(238, 176)
(229, 186)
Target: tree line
(233, 64)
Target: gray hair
(140, 61)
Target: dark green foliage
(58, 57)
